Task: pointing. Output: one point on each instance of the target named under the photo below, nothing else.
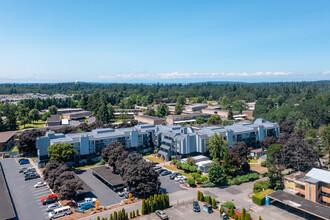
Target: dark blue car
(21, 162)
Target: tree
(114, 153)
(214, 120)
(52, 110)
(217, 174)
(2, 125)
(54, 173)
(303, 125)
(214, 205)
(191, 161)
(181, 100)
(103, 114)
(325, 139)
(162, 110)
(45, 116)
(178, 109)
(34, 115)
(200, 120)
(23, 114)
(11, 123)
(27, 142)
(61, 152)
(52, 165)
(230, 115)
(238, 155)
(288, 126)
(150, 111)
(217, 146)
(139, 176)
(266, 142)
(70, 188)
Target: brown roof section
(105, 173)
(5, 136)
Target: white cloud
(178, 75)
(326, 72)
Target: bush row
(244, 178)
(154, 203)
(208, 199)
(260, 197)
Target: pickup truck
(85, 201)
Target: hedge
(244, 178)
(263, 163)
(191, 181)
(261, 186)
(260, 197)
(228, 205)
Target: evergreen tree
(162, 110)
(156, 202)
(230, 115)
(133, 213)
(214, 205)
(178, 109)
(137, 212)
(119, 216)
(247, 216)
(11, 120)
(243, 214)
(143, 210)
(103, 114)
(115, 215)
(2, 125)
(201, 198)
(208, 200)
(198, 195)
(111, 217)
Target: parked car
(160, 171)
(30, 169)
(39, 184)
(49, 201)
(31, 176)
(180, 177)
(166, 172)
(157, 167)
(161, 214)
(173, 175)
(124, 192)
(24, 161)
(59, 212)
(86, 200)
(196, 207)
(119, 188)
(22, 169)
(53, 206)
(48, 197)
(87, 206)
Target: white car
(39, 184)
(53, 206)
(180, 178)
(86, 200)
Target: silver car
(53, 206)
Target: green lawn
(35, 124)
(85, 167)
(253, 161)
(153, 159)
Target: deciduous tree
(61, 152)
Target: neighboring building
(215, 111)
(7, 140)
(62, 111)
(314, 185)
(53, 120)
(251, 105)
(149, 119)
(129, 113)
(248, 113)
(186, 118)
(195, 107)
(77, 115)
(169, 139)
(203, 163)
(184, 141)
(90, 144)
(256, 152)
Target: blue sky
(164, 41)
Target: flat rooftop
(106, 174)
(86, 188)
(6, 206)
(312, 208)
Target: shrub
(102, 162)
(191, 181)
(193, 175)
(175, 161)
(179, 165)
(214, 204)
(259, 198)
(192, 169)
(204, 178)
(199, 172)
(199, 180)
(261, 186)
(228, 205)
(208, 200)
(137, 212)
(198, 176)
(263, 163)
(208, 183)
(244, 178)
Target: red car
(50, 196)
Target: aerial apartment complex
(170, 140)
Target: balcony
(325, 199)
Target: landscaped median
(260, 197)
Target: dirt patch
(258, 168)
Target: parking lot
(184, 212)
(107, 197)
(26, 198)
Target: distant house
(186, 118)
(256, 152)
(195, 107)
(53, 120)
(149, 119)
(62, 111)
(7, 140)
